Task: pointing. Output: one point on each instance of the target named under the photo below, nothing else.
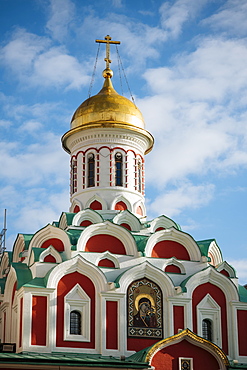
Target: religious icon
(144, 309)
(146, 312)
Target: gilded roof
(109, 106)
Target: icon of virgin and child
(145, 316)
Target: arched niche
(51, 255)
(128, 218)
(96, 203)
(50, 235)
(93, 236)
(184, 244)
(162, 223)
(87, 215)
(107, 259)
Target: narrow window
(207, 329)
(73, 176)
(75, 322)
(139, 176)
(118, 169)
(91, 170)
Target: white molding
(77, 299)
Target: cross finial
(107, 41)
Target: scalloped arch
(162, 221)
(177, 236)
(214, 253)
(76, 203)
(228, 268)
(107, 228)
(175, 262)
(87, 214)
(121, 199)
(150, 272)
(49, 232)
(109, 256)
(78, 264)
(129, 218)
(50, 251)
(210, 275)
(96, 198)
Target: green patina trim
(36, 283)
(74, 235)
(141, 241)
(37, 252)
(2, 285)
(55, 224)
(27, 238)
(23, 273)
(242, 291)
(73, 359)
(204, 246)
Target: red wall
(102, 243)
(168, 249)
(64, 286)
(56, 243)
(242, 334)
(178, 318)
(105, 262)
(167, 358)
(217, 294)
(39, 321)
(172, 268)
(111, 325)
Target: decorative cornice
(189, 335)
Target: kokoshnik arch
(106, 287)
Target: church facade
(106, 287)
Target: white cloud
(174, 15)
(41, 162)
(187, 195)
(241, 271)
(35, 62)
(61, 14)
(230, 18)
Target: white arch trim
(162, 221)
(175, 262)
(146, 270)
(78, 264)
(97, 198)
(110, 257)
(50, 251)
(121, 199)
(87, 214)
(76, 202)
(49, 232)
(107, 228)
(210, 275)
(177, 236)
(225, 266)
(129, 218)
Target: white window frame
(209, 309)
(185, 358)
(77, 300)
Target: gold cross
(107, 41)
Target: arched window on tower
(118, 169)
(91, 170)
(207, 328)
(139, 176)
(73, 176)
(75, 322)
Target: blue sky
(186, 64)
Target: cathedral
(104, 286)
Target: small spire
(107, 71)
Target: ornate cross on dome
(107, 41)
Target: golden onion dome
(107, 106)
(107, 109)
